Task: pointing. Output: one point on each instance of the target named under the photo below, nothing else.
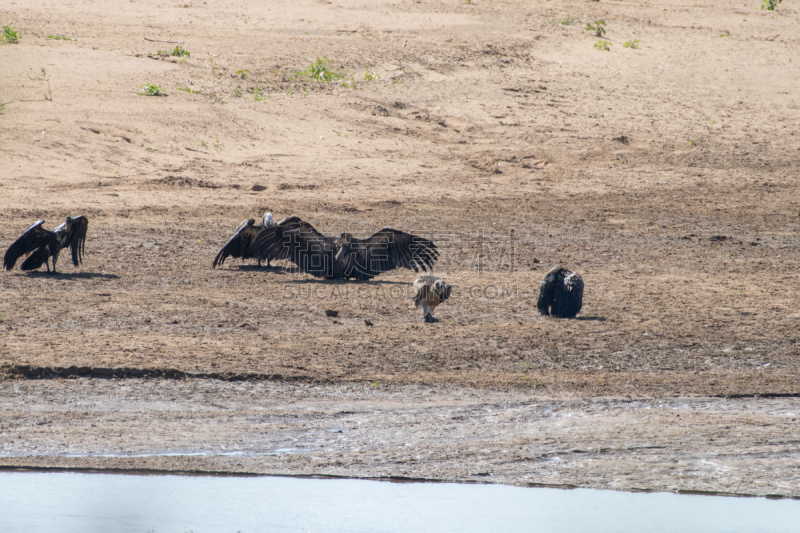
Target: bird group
(293, 239)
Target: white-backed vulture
(240, 245)
(561, 293)
(42, 244)
(430, 291)
(344, 257)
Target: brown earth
(666, 175)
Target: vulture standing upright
(561, 293)
(344, 257)
(241, 244)
(42, 244)
(430, 291)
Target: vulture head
(343, 243)
(267, 220)
(439, 288)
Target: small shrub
(10, 36)
(598, 28)
(321, 70)
(602, 45)
(770, 5)
(631, 44)
(243, 73)
(179, 52)
(152, 89)
(725, 34)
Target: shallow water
(67, 502)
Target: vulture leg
(427, 310)
(55, 258)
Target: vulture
(561, 293)
(430, 291)
(241, 244)
(42, 244)
(344, 257)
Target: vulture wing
(36, 259)
(569, 295)
(420, 292)
(74, 237)
(33, 238)
(300, 242)
(240, 245)
(547, 293)
(389, 249)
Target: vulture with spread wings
(561, 293)
(42, 244)
(344, 257)
(240, 245)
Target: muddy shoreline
(403, 432)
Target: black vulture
(344, 257)
(42, 244)
(241, 244)
(430, 291)
(561, 293)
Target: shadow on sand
(71, 275)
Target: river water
(81, 502)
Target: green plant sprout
(320, 70)
(40, 77)
(203, 143)
(243, 73)
(152, 89)
(633, 45)
(598, 28)
(59, 38)
(602, 45)
(770, 5)
(371, 76)
(10, 36)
